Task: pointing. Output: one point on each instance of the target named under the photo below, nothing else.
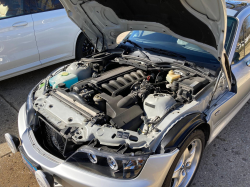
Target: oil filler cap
(44, 179)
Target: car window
(240, 48)
(243, 44)
(231, 26)
(12, 8)
(44, 5)
(246, 27)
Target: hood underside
(200, 22)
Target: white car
(35, 34)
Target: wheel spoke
(86, 48)
(178, 167)
(187, 164)
(176, 174)
(183, 174)
(191, 155)
(186, 155)
(178, 181)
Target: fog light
(44, 179)
(13, 142)
(92, 158)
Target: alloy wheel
(87, 48)
(187, 164)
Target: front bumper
(153, 173)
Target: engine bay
(111, 100)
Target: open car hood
(200, 22)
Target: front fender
(179, 132)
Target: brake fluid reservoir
(82, 71)
(63, 77)
(171, 76)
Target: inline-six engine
(117, 106)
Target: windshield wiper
(138, 47)
(165, 52)
(131, 42)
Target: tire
(83, 47)
(198, 137)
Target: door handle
(20, 24)
(248, 63)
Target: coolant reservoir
(63, 77)
(82, 71)
(171, 76)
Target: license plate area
(29, 165)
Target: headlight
(108, 164)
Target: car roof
(235, 7)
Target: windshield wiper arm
(138, 47)
(165, 52)
(133, 43)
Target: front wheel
(83, 47)
(186, 162)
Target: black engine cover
(125, 118)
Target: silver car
(140, 113)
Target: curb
(4, 150)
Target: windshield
(191, 52)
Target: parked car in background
(35, 34)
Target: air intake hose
(128, 101)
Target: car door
(55, 32)
(18, 49)
(241, 62)
(230, 103)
